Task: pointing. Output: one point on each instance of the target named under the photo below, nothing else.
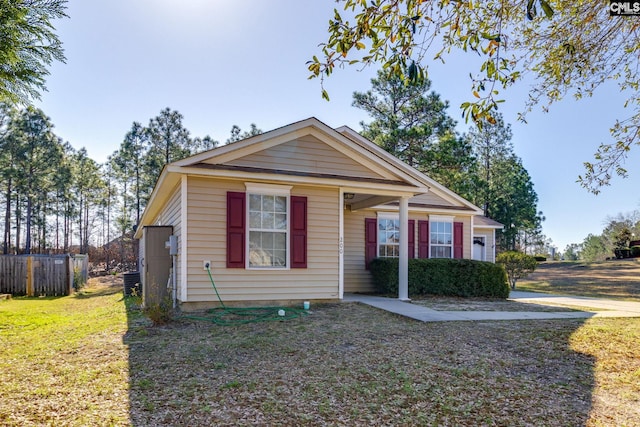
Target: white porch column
(403, 261)
(341, 245)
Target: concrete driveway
(601, 306)
(589, 307)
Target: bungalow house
(296, 214)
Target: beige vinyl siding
(431, 198)
(309, 155)
(489, 243)
(207, 241)
(356, 277)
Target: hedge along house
(297, 213)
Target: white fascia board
(157, 199)
(443, 212)
(488, 227)
(369, 188)
(236, 150)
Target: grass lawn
(617, 279)
(63, 361)
(86, 360)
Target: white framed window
(440, 236)
(268, 226)
(388, 236)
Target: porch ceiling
(364, 201)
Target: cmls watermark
(624, 8)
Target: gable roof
(484, 222)
(434, 186)
(378, 161)
(365, 166)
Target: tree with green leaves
(503, 186)
(412, 123)
(204, 143)
(619, 231)
(28, 46)
(237, 134)
(128, 166)
(38, 156)
(8, 163)
(65, 198)
(567, 48)
(168, 141)
(88, 186)
(491, 144)
(517, 265)
(594, 249)
(515, 205)
(572, 252)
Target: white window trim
(441, 218)
(384, 215)
(269, 190)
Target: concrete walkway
(591, 307)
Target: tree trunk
(18, 224)
(80, 227)
(86, 228)
(7, 221)
(27, 244)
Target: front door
(478, 248)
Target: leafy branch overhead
(565, 48)
(28, 46)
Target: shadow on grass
(348, 364)
(97, 292)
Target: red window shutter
(458, 240)
(412, 238)
(423, 239)
(298, 230)
(370, 240)
(235, 229)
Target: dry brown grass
(484, 304)
(344, 364)
(619, 279)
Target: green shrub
(635, 251)
(540, 258)
(159, 313)
(622, 253)
(439, 276)
(517, 265)
(78, 279)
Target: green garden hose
(226, 316)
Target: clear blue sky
(226, 62)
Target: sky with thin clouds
(235, 62)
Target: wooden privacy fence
(36, 275)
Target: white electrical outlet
(206, 265)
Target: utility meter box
(155, 263)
